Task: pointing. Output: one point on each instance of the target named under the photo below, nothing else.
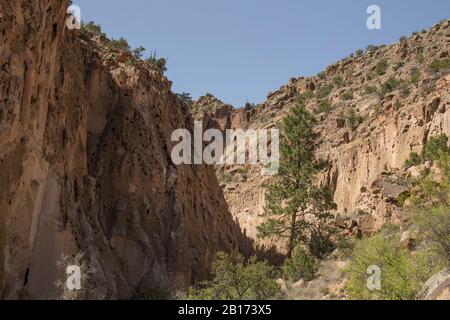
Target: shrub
(138, 52)
(240, 280)
(403, 39)
(321, 75)
(347, 96)
(359, 52)
(301, 266)
(414, 160)
(402, 274)
(397, 105)
(370, 89)
(430, 197)
(155, 63)
(438, 65)
(92, 27)
(324, 107)
(337, 80)
(354, 119)
(390, 85)
(186, 98)
(371, 48)
(119, 44)
(324, 91)
(436, 147)
(381, 67)
(415, 77)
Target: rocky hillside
(374, 108)
(85, 167)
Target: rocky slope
(374, 109)
(85, 167)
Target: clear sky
(239, 50)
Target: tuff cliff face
(373, 110)
(86, 170)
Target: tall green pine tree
(297, 210)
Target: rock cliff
(86, 171)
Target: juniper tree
(298, 210)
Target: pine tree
(297, 210)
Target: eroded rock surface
(85, 167)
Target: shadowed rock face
(85, 167)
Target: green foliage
(354, 119)
(155, 63)
(186, 98)
(321, 75)
(390, 85)
(381, 67)
(297, 210)
(403, 39)
(324, 107)
(139, 52)
(324, 91)
(119, 44)
(370, 89)
(430, 197)
(439, 64)
(402, 274)
(397, 105)
(92, 27)
(240, 280)
(347, 96)
(359, 52)
(433, 150)
(414, 160)
(338, 81)
(415, 77)
(302, 265)
(371, 48)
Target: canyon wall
(86, 173)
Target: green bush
(347, 96)
(438, 65)
(155, 63)
(390, 85)
(324, 107)
(186, 98)
(415, 77)
(402, 274)
(370, 89)
(119, 44)
(324, 91)
(359, 52)
(354, 119)
(301, 266)
(381, 67)
(435, 148)
(338, 81)
(240, 280)
(414, 160)
(430, 210)
(138, 52)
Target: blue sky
(239, 50)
